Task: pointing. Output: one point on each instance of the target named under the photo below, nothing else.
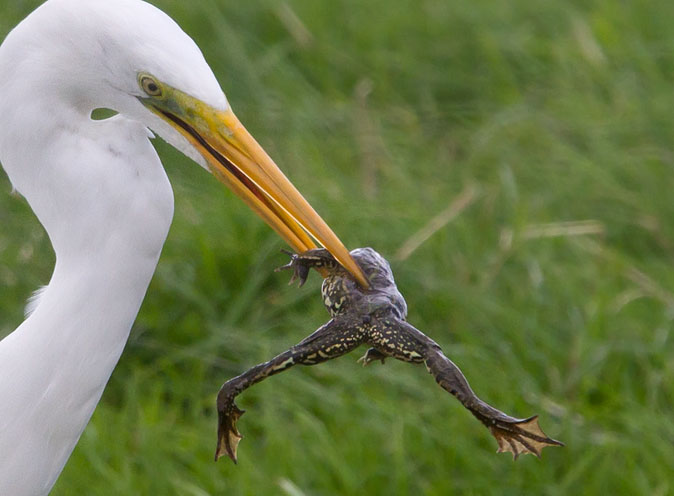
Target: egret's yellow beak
(237, 160)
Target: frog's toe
(370, 356)
(297, 265)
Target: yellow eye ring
(150, 85)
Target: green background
(538, 135)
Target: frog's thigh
(395, 338)
(334, 339)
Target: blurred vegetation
(549, 281)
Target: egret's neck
(103, 197)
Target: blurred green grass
(383, 113)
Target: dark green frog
(375, 317)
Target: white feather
(34, 301)
(101, 193)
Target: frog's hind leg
(390, 336)
(518, 436)
(396, 338)
(332, 340)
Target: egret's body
(101, 193)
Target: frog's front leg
(397, 338)
(334, 339)
(319, 259)
(372, 355)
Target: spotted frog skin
(375, 316)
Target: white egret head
(113, 42)
(134, 59)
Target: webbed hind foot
(228, 434)
(521, 436)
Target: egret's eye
(150, 85)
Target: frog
(375, 316)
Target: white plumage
(101, 193)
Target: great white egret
(102, 195)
